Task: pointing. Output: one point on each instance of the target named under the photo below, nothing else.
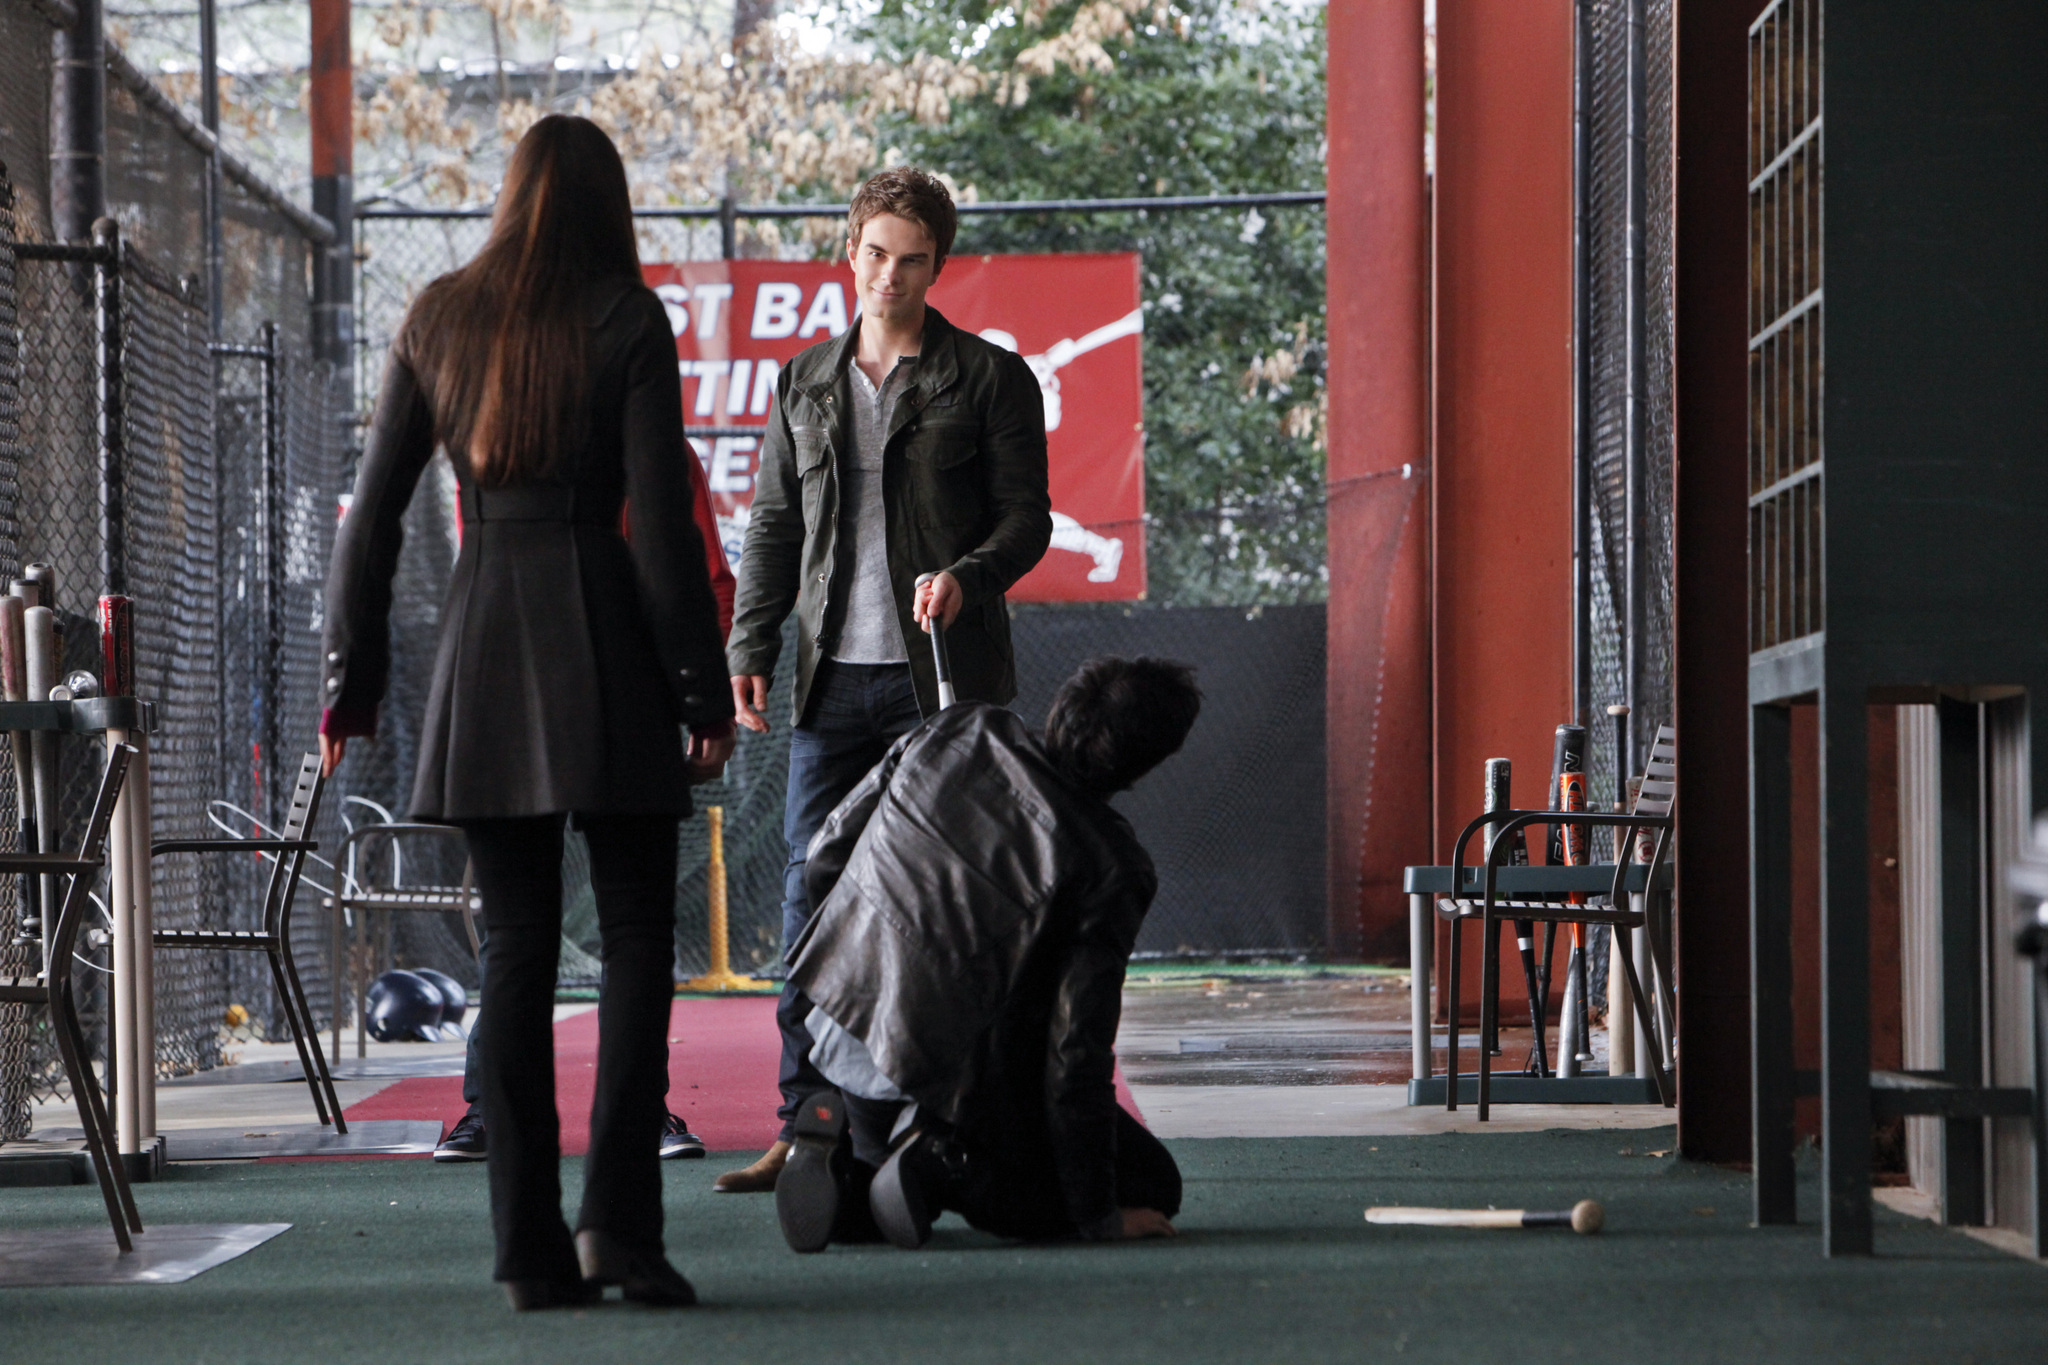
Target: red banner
(1075, 319)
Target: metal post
(1962, 915)
(728, 228)
(142, 915)
(1582, 361)
(78, 125)
(1636, 420)
(1772, 1083)
(209, 118)
(106, 239)
(333, 141)
(273, 569)
(1421, 951)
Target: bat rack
(131, 1046)
(1423, 885)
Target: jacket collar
(938, 366)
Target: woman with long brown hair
(571, 659)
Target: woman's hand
(708, 754)
(332, 750)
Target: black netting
(1240, 871)
(1606, 443)
(1617, 400)
(231, 463)
(1234, 822)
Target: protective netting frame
(192, 435)
(1604, 361)
(399, 255)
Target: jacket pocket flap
(813, 447)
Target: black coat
(974, 914)
(569, 656)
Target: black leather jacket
(974, 915)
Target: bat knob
(1587, 1216)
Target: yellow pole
(721, 977)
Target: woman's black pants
(518, 866)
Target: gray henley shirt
(870, 632)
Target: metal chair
(52, 990)
(360, 899)
(274, 940)
(1624, 911)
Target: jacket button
(821, 578)
(688, 674)
(692, 700)
(334, 684)
(334, 658)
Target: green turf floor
(389, 1260)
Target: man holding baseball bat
(904, 447)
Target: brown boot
(758, 1178)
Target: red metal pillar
(1711, 502)
(333, 134)
(1503, 405)
(1378, 681)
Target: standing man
(904, 447)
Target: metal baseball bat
(1567, 763)
(1585, 1217)
(1500, 777)
(43, 665)
(1499, 796)
(941, 662)
(14, 686)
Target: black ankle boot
(643, 1276)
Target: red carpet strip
(723, 1056)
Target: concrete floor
(1257, 1056)
(1218, 1056)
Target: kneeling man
(976, 899)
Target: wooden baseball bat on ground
(1584, 1217)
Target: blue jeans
(856, 711)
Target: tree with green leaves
(1114, 98)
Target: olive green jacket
(963, 488)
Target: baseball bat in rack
(1585, 1217)
(1500, 775)
(1568, 772)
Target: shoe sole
(688, 1152)
(445, 1157)
(898, 1207)
(806, 1195)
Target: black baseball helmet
(454, 999)
(403, 1007)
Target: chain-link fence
(1241, 869)
(227, 457)
(1626, 370)
(1626, 373)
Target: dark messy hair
(502, 338)
(1117, 719)
(910, 194)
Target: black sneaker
(678, 1143)
(807, 1191)
(465, 1141)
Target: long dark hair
(500, 341)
